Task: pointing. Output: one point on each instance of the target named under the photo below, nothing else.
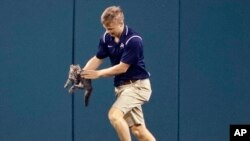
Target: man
(131, 80)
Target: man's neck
(117, 39)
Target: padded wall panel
(214, 77)
(35, 42)
(157, 21)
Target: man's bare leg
(142, 133)
(120, 125)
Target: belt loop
(130, 81)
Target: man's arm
(111, 71)
(93, 63)
(114, 70)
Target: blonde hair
(112, 14)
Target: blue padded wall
(157, 22)
(35, 42)
(196, 51)
(214, 68)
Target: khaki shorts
(130, 98)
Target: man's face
(114, 29)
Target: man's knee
(141, 132)
(115, 115)
(137, 130)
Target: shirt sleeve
(102, 51)
(132, 51)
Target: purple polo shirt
(129, 50)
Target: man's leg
(120, 125)
(142, 133)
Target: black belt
(126, 82)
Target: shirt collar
(124, 33)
